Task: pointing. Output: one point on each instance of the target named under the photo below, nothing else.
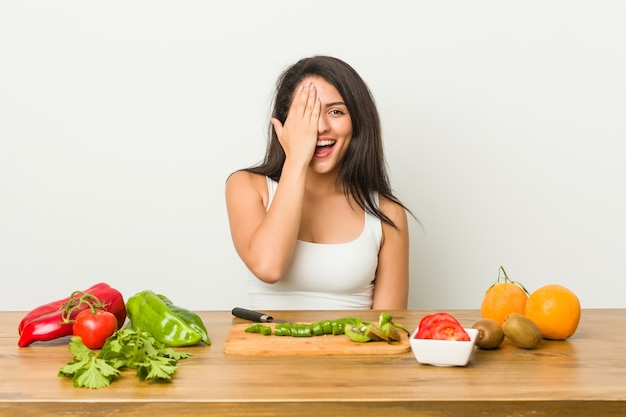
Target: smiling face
(334, 130)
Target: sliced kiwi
(490, 334)
(387, 333)
(392, 332)
(376, 334)
(357, 332)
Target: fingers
(306, 103)
(316, 105)
(315, 112)
(298, 134)
(278, 126)
(311, 103)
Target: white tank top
(336, 276)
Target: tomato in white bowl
(441, 340)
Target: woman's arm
(391, 288)
(265, 239)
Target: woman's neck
(323, 183)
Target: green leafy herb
(127, 347)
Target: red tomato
(441, 326)
(427, 323)
(448, 330)
(94, 329)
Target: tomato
(441, 326)
(94, 329)
(429, 321)
(448, 330)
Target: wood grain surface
(239, 342)
(584, 376)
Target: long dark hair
(363, 169)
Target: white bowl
(443, 352)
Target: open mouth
(324, 147)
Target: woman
(316, 222)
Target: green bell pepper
(190, 317)
(167, 323)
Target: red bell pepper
(51, 321)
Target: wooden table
(583, 376)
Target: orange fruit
(503, 298)
(555, 310)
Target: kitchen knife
(256, 316)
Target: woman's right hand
(298, 136)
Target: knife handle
(256, 316)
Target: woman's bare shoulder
(245, 178)
(393, 210)
(241, 183)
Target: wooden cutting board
(241, 343)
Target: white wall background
(504, 124)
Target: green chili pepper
(149, 312)
(253, 329)
(301, 330)
(191, 318)
(330, 327)
(283, 329)
(386, 318)
(327, 327)
(317, 329)
(260, 328)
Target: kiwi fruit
(376, 334)
(522, 331)
(490, 333)
(357, 332)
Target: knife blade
(256, 316)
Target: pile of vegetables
(355, 328)
(95, 319)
